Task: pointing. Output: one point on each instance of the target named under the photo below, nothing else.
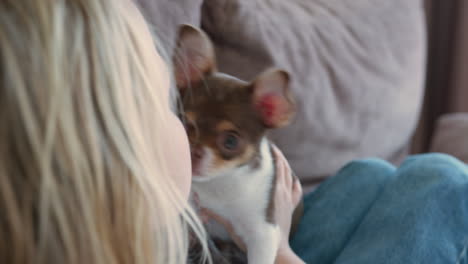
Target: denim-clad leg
(336, 208)
(417, 213)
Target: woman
(94, 166)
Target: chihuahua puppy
(232, 161)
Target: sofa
(358, 71)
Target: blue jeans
(372, 213)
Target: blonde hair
(82, 174)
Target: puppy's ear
(194, 56)
(272, 98)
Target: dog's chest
(245, 193)
(243, 196)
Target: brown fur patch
(270, 212)
(191, 117)
(225, 125)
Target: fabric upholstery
(451, 136)
(165, 16)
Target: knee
(436, 168)
(365, 172)
(363, 178)
(367, 167)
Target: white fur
(227, 76)
(205, 166)
(241, 195)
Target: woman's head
(85, 172)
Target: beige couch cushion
(357, 69)
(451, 136)
(166, 15)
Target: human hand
(288, 193)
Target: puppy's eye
(229, 141)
